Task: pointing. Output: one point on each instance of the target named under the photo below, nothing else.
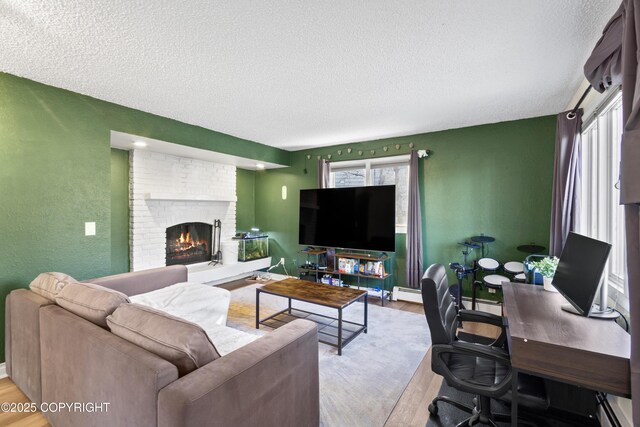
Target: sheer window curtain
(414, 226)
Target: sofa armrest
(22, 341)
(272, 381)
(82, 362)
(140, 282)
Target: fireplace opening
(189, 243)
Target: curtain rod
(572, 114)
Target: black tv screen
(350, 218)
(580, 269)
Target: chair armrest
(440, 354)
(271, 381)
(480, 350)
(488, 318)
(481, 317)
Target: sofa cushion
(91, 302)
(50, 284)
(176, 340)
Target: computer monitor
(579, 272)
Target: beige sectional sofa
(54, 355)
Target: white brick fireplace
(166, 190)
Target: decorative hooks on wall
(371, 152)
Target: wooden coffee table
(320, 294)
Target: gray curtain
(414, 226)
(565, 202)
(630, 182)
(603, 69)
(323, 173)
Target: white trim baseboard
(3, 370)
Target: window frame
(368, 165)
(600, 210)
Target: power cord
(626, 322)
(279, 263)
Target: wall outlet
(89, 228)
(281, 260)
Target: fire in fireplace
(189, 243)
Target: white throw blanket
(205, 305)
(195, 302)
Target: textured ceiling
(296, 74)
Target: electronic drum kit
(489, 267)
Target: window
(601, 216)
(380, 171)
(348, 178)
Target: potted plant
(547, 267)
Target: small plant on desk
(547, 267)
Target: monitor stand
(596, 313)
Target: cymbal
(470, 245)
(531, 248)
(483, 239)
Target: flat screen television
(579, 271)
(349, 218)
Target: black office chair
(484, 370)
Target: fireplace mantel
(189, 197)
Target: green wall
(119, 210)
(494, 179)
(55, 175)
(246, 205)
(57, 171)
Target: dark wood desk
(548, 342)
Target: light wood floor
(410, 410)
(11, 394)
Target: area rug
(361, 387)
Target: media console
(373, 280)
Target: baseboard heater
(401, 293)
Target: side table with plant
(547, 267)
